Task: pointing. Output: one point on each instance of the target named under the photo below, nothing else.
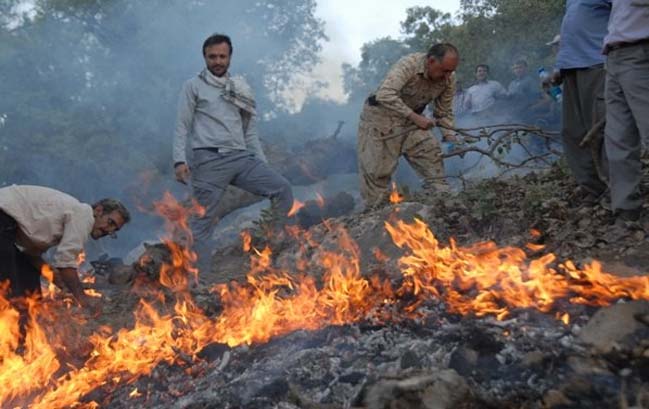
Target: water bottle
(553, 90)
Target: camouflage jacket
(407, 88)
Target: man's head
(110, 216)
(217, 51)
(519, 68)
(481, 72)
(441, 61)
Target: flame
(481, 279)
(395, 196)
(320, 201)
(246, 239)
(297, 205)
(81, 258)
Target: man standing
(33, 219)
(483, 94)
(627, 103)
(523, 91)
(216, 112)
(388, 115)
(581, 69)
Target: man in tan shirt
(397, 106)
(34, 219)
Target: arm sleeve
(443, 108)
(76, 230)
(388, 92)
(250, 135)
(184, 121)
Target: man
(580, 67)
(483, 94)
(523, 91)
(388, 115)
(216, 113)
(627, 103)
(34, 219)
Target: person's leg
(424, 153)
(257, 177)
(622, 137)
(377, 161)
(211, 173)
(579, 93)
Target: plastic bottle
(553, 90)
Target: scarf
(235, 90)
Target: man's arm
(443, 111)
(250, 135)
(184, 121)
(388, 93)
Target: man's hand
(451, 138)
(182, 173)
(554, 79)
(421, 121)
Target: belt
(624, 44)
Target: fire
(319, 200)
(297, 205)
(81, 258)
(395, 196)
(246, 239)
(481, 279)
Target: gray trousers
(212, 172)
(583, 105)
(627, 121)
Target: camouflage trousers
(378, 158)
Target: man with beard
(385, 131)
(217, 115)
(34, 219)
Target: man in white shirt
(483, 94)
(34, 219)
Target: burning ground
(407, 306)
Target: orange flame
(297, 205)
(481, 279)
(319, 200)
(395, 196)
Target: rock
(443, 389)
(610, 326)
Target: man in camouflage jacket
(397, 106)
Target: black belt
(624, 44)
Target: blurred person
(580, 65)
(483, 94)
(627, 103)
(399, 102)
(34, 219)
(523, 91)
(217, 116)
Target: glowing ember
(297, 205)
(395, 196)
(320, 200)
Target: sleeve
(388, 93)
(250, 135)
(500, 91)
(443, 108)
(77, 226)
(184, 121)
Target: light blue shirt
(629, 22)
(583, 29)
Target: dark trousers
(24, 278)
(583, 106)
